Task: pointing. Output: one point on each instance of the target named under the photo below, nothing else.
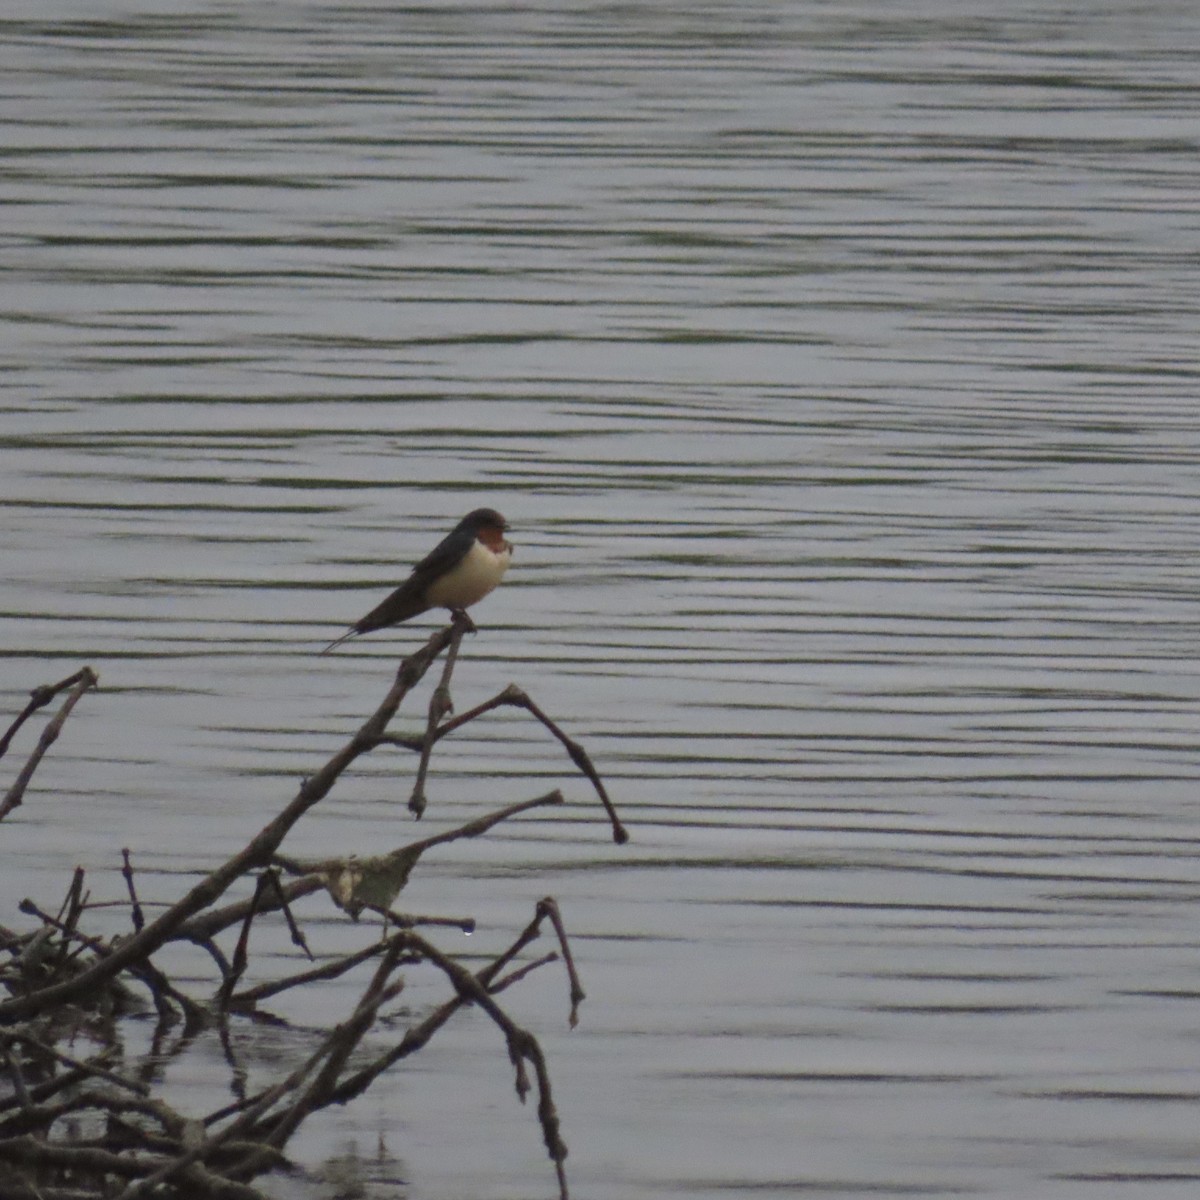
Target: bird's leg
(459, 617)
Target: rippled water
(835, 365)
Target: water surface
(835, 367)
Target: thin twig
(79, 683)
(549, 906)
(373, 883)
(249, 998)
(68, 915)
(203, 927)
(516, 697)
(39, 698)
(294, 930)
(439, 705)
(135, 908)
(160, 986)
(75, 1064)
(237, 967)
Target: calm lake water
(836, 367)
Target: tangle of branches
(80, 1124)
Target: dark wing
(408, 600)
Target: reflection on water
(836, 370)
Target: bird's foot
(459, 617)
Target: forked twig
(40, 697)
(79, 683)
(418, 1035)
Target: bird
(459, 571)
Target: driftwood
(75, 1125)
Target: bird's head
(488, 526)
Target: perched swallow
(460, 570)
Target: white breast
(468, 582)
